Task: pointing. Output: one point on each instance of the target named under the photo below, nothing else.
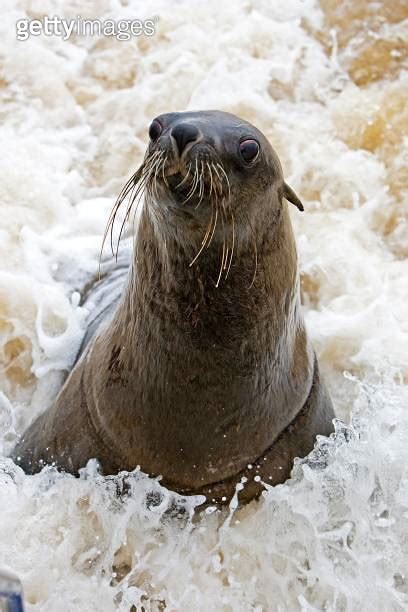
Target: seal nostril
(155, 130)
(183, 133)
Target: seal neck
(260, 292)
(166, 260)
(235, 357)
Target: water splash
(324, 82)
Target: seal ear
(290, 195)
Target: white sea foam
(74, 127)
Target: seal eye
(155, 130)
(249, 150)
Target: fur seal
(196, 364)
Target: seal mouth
(178, 180)
(179, 183)
(198, 179)
(174, 180)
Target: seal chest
(197, 364)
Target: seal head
(209, 163)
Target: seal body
(196, 365)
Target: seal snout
(184, 134)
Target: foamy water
(325, 84)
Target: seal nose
(183, 133)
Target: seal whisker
(151, 176)
(224, 212)
(154, 175)
(122, 196)
(227, 266)
(211, 179)
(142, 185)
(206, 235)
(192, 262)
(216, 214)
(232, 221)
(227, 180)
(219, 185)
(185, 178)
(223, 222)
(210, 228)
(212, 205)
(137, 192)
(220, 179)
(163, 169)
(202, 184)
(138, 188)
(133, 194)
(152, 171)
(233, 241)
(126, 189)
(223, 249)
(194, 186)
(224, 243)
